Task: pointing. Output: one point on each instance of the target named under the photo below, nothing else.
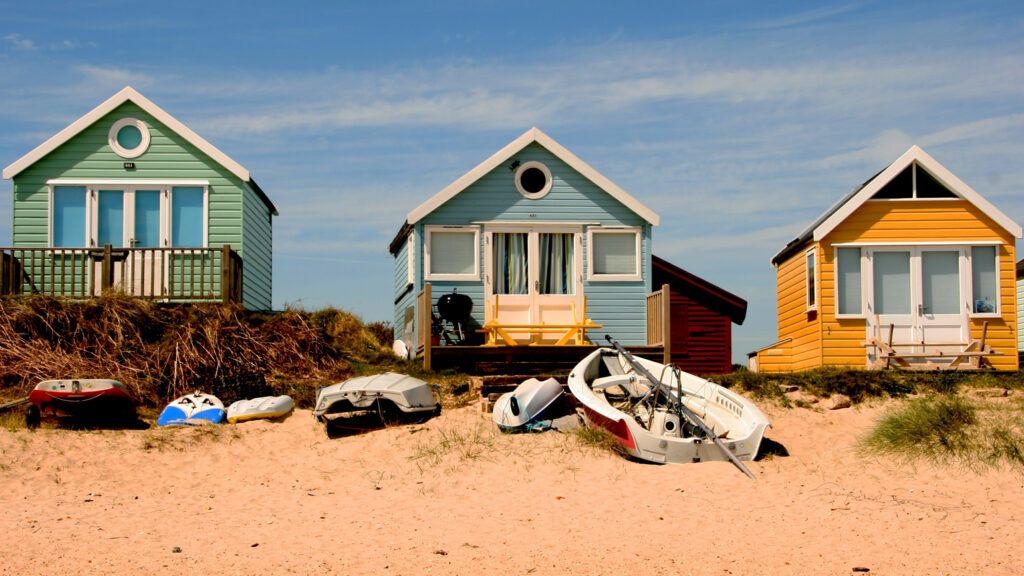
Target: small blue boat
(193, 409)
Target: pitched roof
(853, 200)
(529, 137)
(129, 94)
(699, 290)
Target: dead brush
(162, 351)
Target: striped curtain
(556, 263)
(511, 263)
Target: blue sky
(738, 122)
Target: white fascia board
(940, 172)
(527, 138)
(126, 182)
(126, 94)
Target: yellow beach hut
(913, 269)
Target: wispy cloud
(802, 18)
(18, 42)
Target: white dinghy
(391, 396)
(662, 414)
(266, 407)
(515, 410)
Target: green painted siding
(619, 306)
(257, 252)
(169, 156)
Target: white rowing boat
(711, 423)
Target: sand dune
(455, 496)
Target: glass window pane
(147, 218)
(614, 253)
(129, 137)
(892, 282)
(556, 264)
(983, 273)
(69, 216)
(452, 253)
(848, 272)
(940, 282)
(812, 294)
(187, 216)
(511, 263)
(110, 218)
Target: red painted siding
(701, 337)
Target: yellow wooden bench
(571, 333)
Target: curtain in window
(556, 263)
(614, 253)
(848, 264)
(511, 263)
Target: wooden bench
(972, 353)
(498, 333)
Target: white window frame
(410, 259)
(129, 187)
(863, 286)
(969, 281)
(427, 242)
(124, 152)
(547, 185)
(637, 275)
(812, 255)
(966, 272)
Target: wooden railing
(659, 321)
(170, 274)
(424, 323)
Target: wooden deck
(521, 360)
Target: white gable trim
(126, 94)
(940, 172)
(530, 136)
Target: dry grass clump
(598, 439)
(952, 429)
(163, 351)
(468, 444)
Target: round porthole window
(533, 180)
(128, 137)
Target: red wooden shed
(702, 318)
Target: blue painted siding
(404, 298)
(619, 306)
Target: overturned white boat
(392, 397)
(265, 407)
(662, 414)
(515, 410)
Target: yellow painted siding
(915, 221)
(795, 322)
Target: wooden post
(226, 282)
(427, 324)
(106, 270)
(666, 324)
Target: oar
(13, 404)
(689, 413)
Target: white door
(943, 307)
(534, 271)
(146, 266)
(917, 295)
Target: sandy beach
(454, 496)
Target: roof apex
(532, 135)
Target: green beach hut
(128, 198)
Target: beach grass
(952, 429)
(598, 439)
(463, 444)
